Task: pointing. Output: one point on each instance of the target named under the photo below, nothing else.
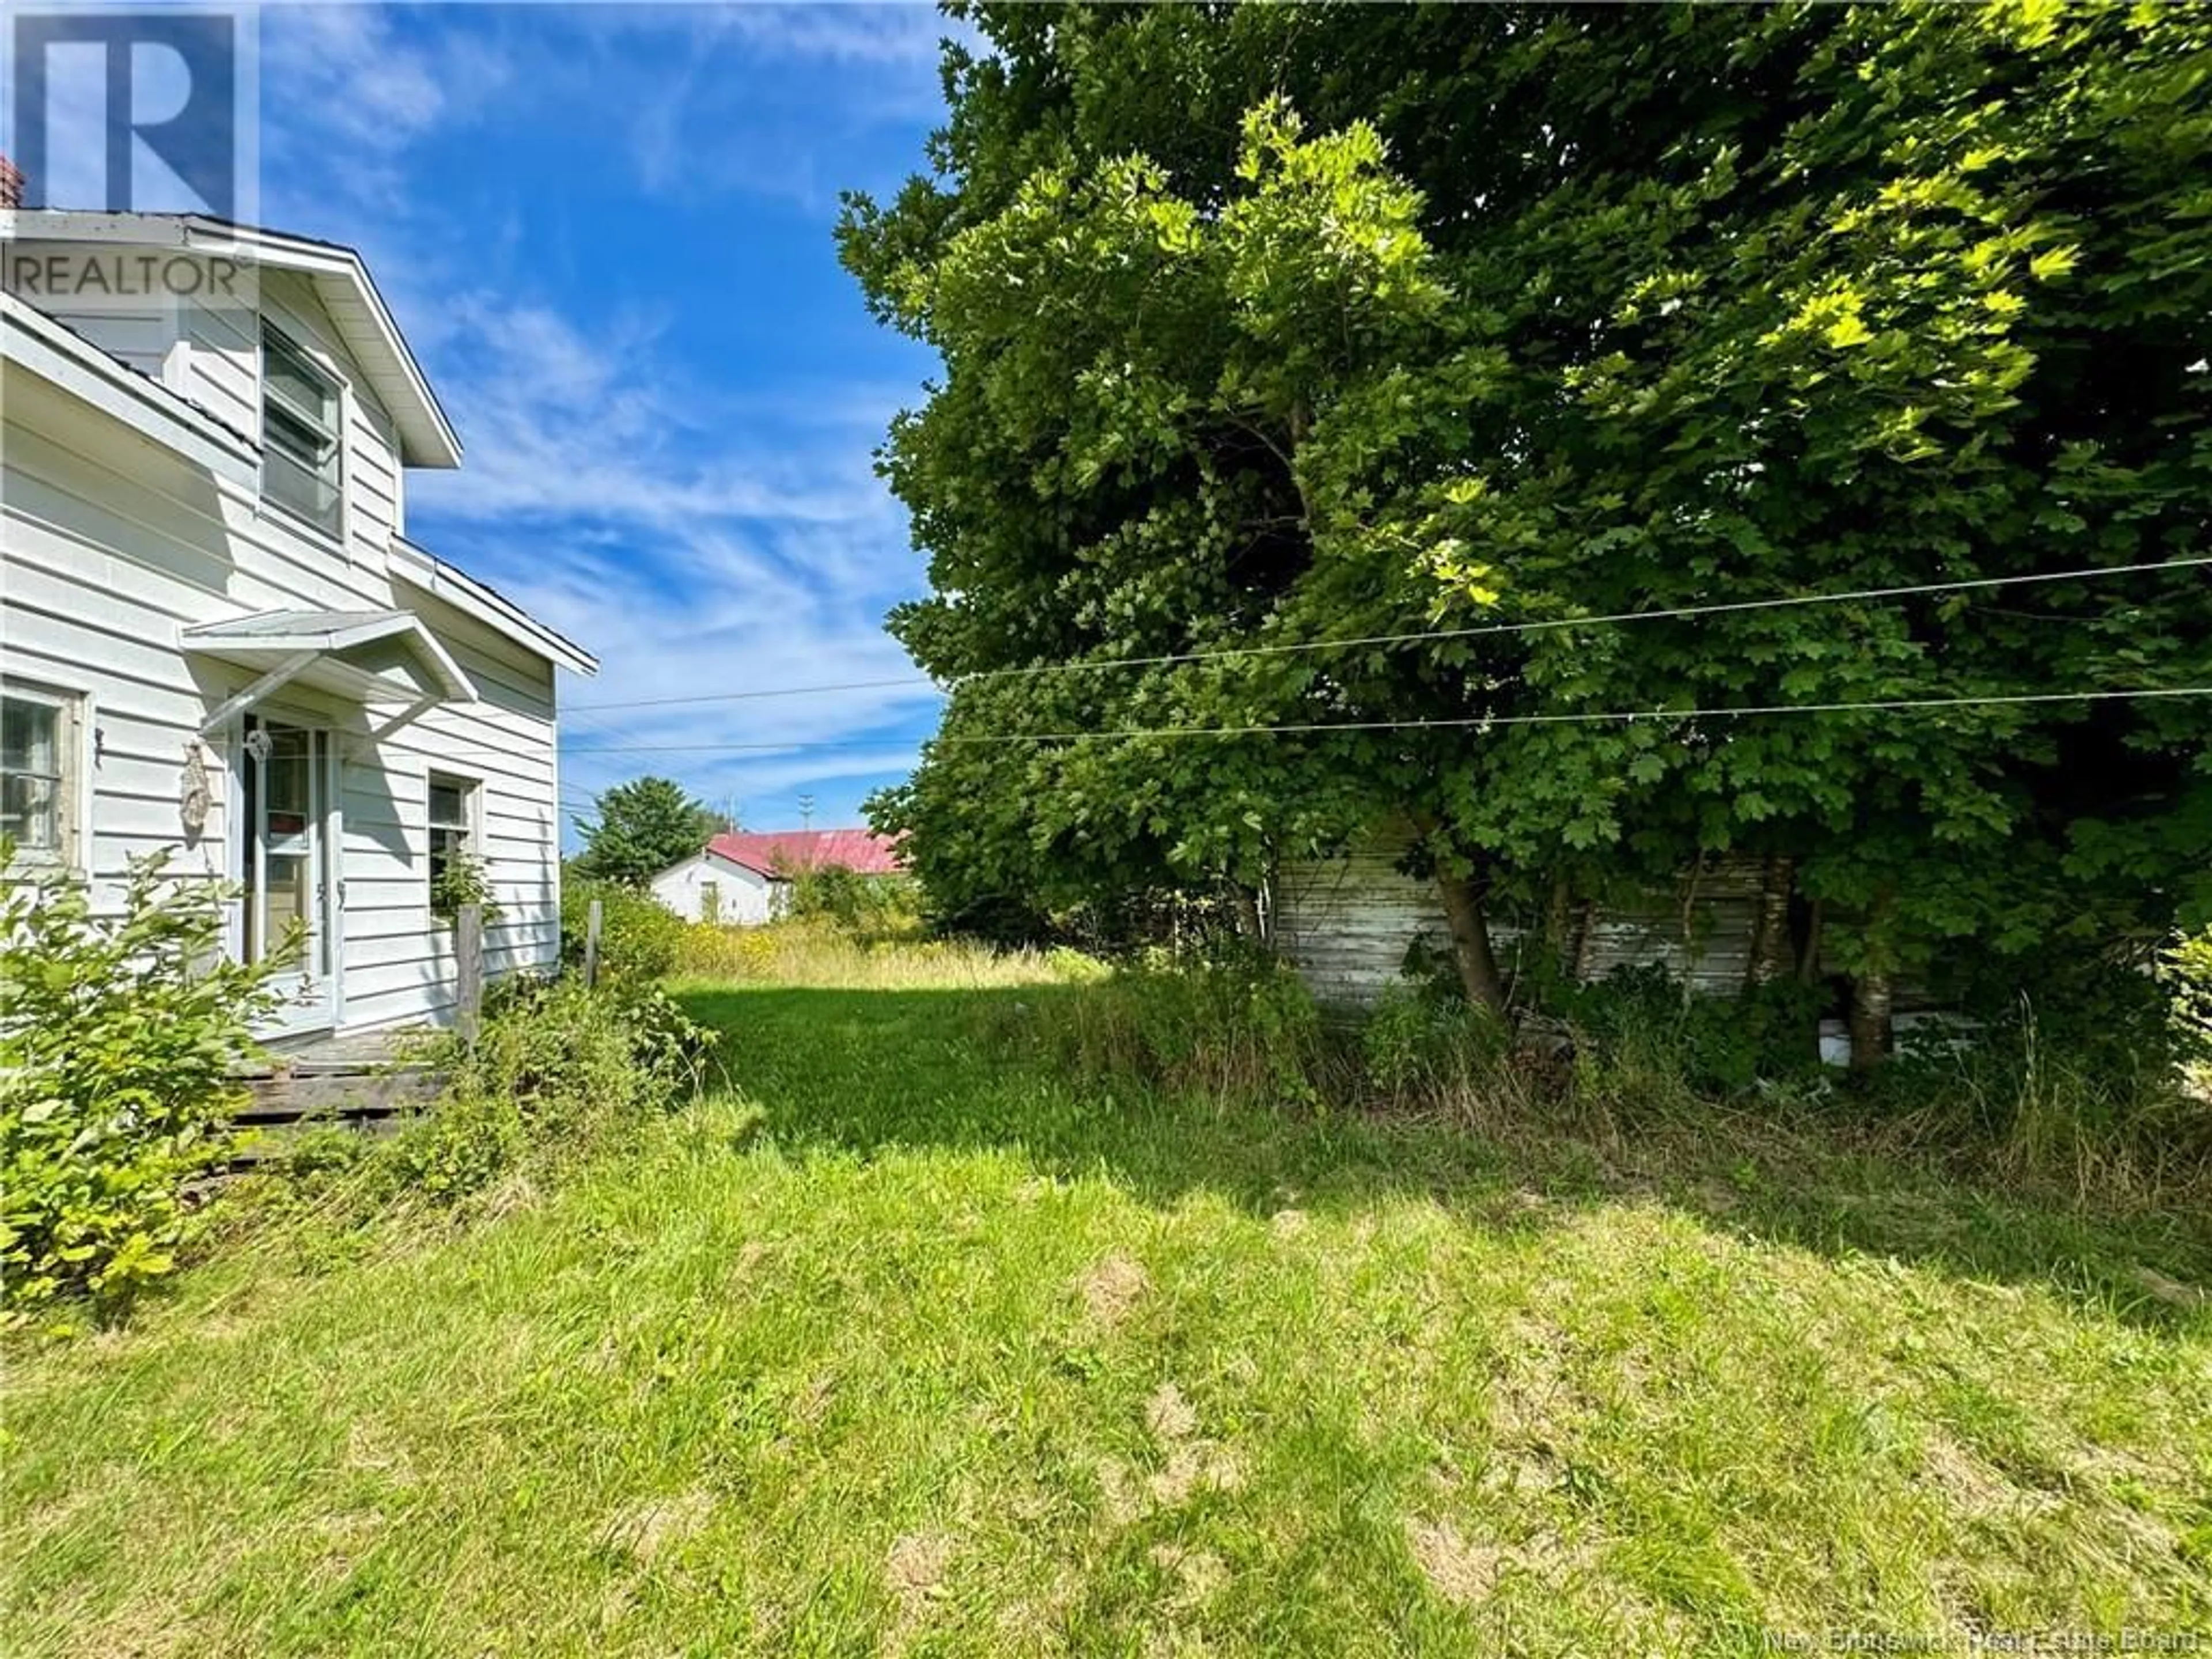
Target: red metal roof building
(784, 852)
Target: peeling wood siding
(1700, 931)
(141, 338)
(1347, 924)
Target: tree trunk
(1580, 964)
(1247, 912)
(1871, 988)
(1870, 1019)
(1558, 917)
(1769, 933)
(1565, 927)
(1470, 930)
(1809, 957)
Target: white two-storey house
(215, 635)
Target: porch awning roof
(364, 656)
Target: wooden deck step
(360, 1081)
(337, 1095)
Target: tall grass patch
(820, 951)
(1235, 1026)
(1635, 1059)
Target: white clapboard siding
(142, 323)
(503, 744)
(111, 544)
(220, 369)
(1348, 925)
(371, 476)
(236, 555)
(140, 338)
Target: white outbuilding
(745, 879)
(709, 887)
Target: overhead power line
(1614, 717)
(748, 696)
(1415, 636)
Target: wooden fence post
(468, 962)
(592, 945)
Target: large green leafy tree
(1543, 314)
(642, 827)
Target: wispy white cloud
(347, 95)
(695, 549)
(901, 36)
(737, 623)
(698, 535)
(388, 93)
(560, 424)
(726, 122)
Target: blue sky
(607, 232)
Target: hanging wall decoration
(195, 790)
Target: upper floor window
(299, 447)
(39, 773)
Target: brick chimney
(11, 184)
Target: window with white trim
(301, 454)
(38, 772)
(452, 833)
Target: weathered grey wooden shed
(1348, 924)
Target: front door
(285, 789)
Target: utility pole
(807, 811)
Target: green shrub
(1003, 921)
(463, 880)
(2102, 1009)
(555, 1070)
(639, 936)
(858, 903)
(1645, 1022)
(1421, 1045)
(118, 1034)
(2186, 972)
(1238, 1025)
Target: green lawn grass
(898, 1345)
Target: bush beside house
(123, 1036)
(119, 1036)
(638, 937)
